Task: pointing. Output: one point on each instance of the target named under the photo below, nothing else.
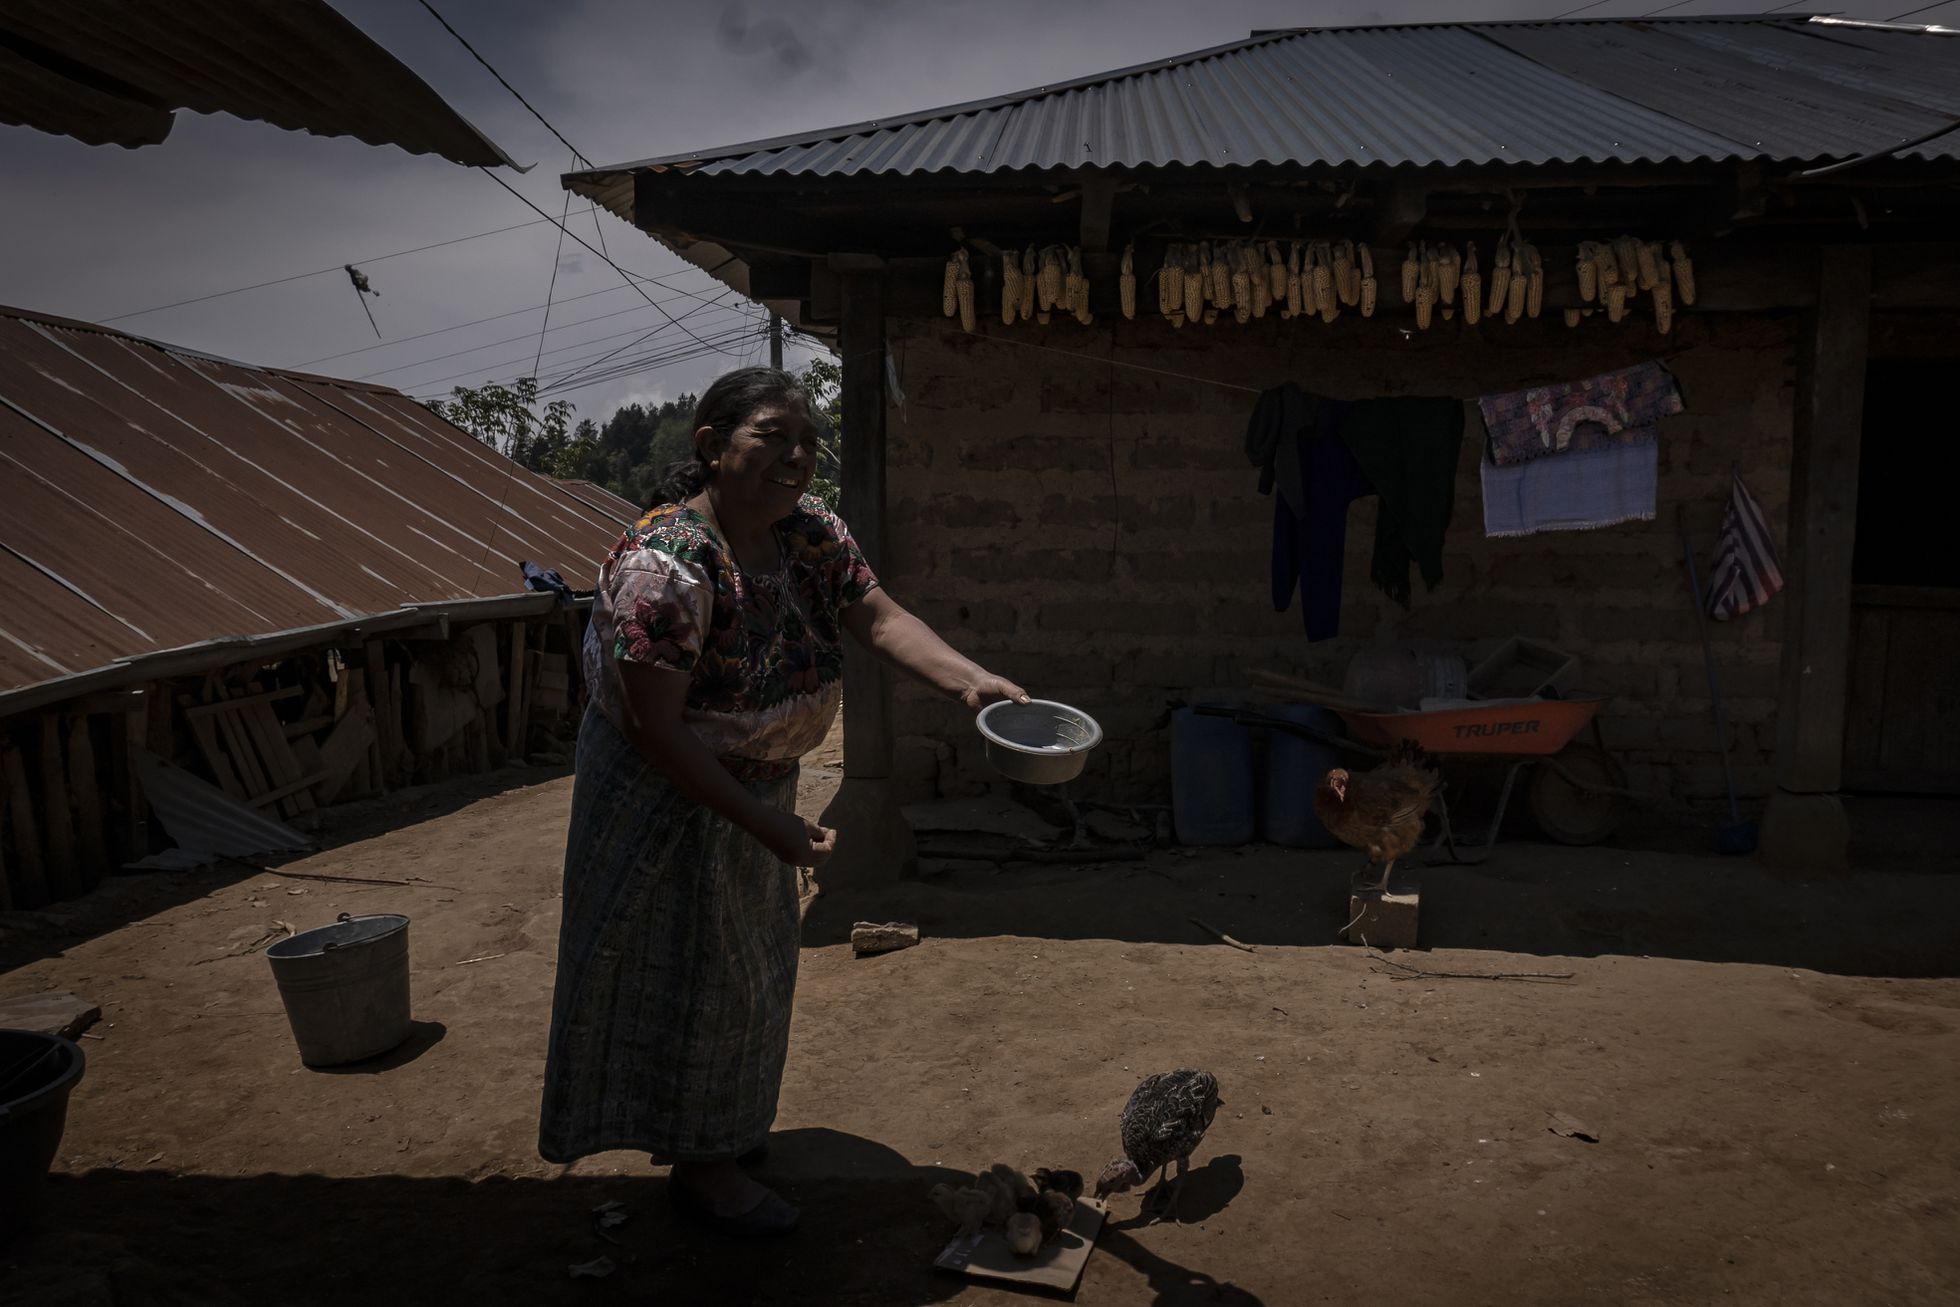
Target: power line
(518, 361)
(557, 257)
(512, 340)
(1678, 4)
(1580, 10)
(560, 380)
(1922, 9)
(588, 245)
(317, 272)
(648, 364)
(732, 335)
(504, 83)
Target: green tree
(506, 418)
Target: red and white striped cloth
(1746, 571)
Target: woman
(714, 659)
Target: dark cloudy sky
(98, 232)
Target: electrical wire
(319, 272)
(1922, 9)
(560, 380)
(1678, 4)
(688, 356)
(512, 340)
(631, 279)
(509, 363)
(557, 257)
(1580, 10)
(460, 40)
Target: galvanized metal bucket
(345, 987)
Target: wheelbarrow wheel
(1580, 814)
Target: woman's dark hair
(733, 399)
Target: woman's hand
(987, 688)
(798, 842)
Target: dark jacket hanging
(1408, 449)
(1292, 438)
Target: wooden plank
(1828, 428)
(6, 879)
(228, 705)
(57, 816)
(30, 872)
(277, 755)
(1864, 725)
(287, 791)
(307, 726)
(867, 682)
(517, 723)
(85, 790)
(396, 736)
(244, 758)
(341, 752)
(1922, 695)
(205, 731)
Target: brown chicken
(1379, 812)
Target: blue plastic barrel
(1294, 766)
(1211, 779)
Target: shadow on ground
(1887, 918)
(149, 1237)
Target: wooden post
(57, 817)
(85, 793)
(129, 736)
(867, 682)
(1805, 823)
(517, 731)
(874, 845)
(30, 873)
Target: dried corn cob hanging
(1609, 267)
(1126, 281)
(1221, 277)
(1449, 272)
(1262, 283)
(1572, 317)
(1500, 278)
(1211, 316)
(1626, 253)
(1684, 271)
(1518, 292)
(1473, 286)
(1275, 271)
(1078, 288)
(1587, 269)
(1010, 286)
(1427, 289)
(1347, 279)
(1170, 292)
(1534, 286)
(1241, 279)
(949, 300)
(1030, 264)
(1649, 256)
(1048, 286)
(1616, 302)
(1197, 282)
(1663, 307)
(1411, 273)
(1324, 294)
(1296, 292)
(964, 290)
(1369, 291)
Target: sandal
(770, 1218)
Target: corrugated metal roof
(594, 495)
(152, 498)
(109, 72)
(1624, 91)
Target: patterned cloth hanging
(1747, 574)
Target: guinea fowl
(1163, 1123)
(1380, 812)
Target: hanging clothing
(1408, 450)
(1576, 491)
(1293, 440)
(1747, 574)
(1609, 409)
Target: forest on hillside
(627, 453)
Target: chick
(966, 1208)
(1017, 1185)
(1054, 1209)
(1023, 1234)
(1062, 1182)
(1000, 1197)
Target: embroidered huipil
(765, 651)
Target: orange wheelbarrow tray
(1508, 727)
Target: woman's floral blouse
(765, 651)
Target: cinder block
(1385, 920)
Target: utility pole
(775, 340)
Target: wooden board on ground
(1058, 1266)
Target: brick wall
(1097, 534)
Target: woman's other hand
(798, 842)
(987, 688)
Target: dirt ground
(1768, 1063)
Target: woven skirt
(676, 968)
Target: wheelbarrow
(1574, 789)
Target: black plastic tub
(37, 1073)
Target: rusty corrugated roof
(1624, 91)
(153, 498)
(111, 72)
(597, 496)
